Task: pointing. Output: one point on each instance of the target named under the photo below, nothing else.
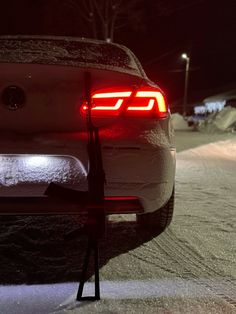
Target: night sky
(204, 29)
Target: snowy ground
(190, 268)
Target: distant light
(199, 109)
(213, 106)
(184, 56)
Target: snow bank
(178, 122)
(222, 121)
(216, 122)
(226, 118)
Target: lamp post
(187, 58)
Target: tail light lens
(143, 103)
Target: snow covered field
(190, 268)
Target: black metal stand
(95, 229)
(92, 247)
(96, 178)
(93, 198)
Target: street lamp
(187, 58)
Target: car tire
(160, 219)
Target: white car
(44, 118)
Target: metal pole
(186, 86)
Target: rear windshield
(68, 51)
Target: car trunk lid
(44, 98)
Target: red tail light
(139, 103)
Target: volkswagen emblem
(13, 97)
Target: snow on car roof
(70, 51)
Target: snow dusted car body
(43, 122)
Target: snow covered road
(190, 268)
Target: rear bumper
(45, 205)
(137, 161)
(149, 177)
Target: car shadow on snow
(33, 249)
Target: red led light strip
(153, 99)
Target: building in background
(219, 101)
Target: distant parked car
(43, 122)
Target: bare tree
(101, 17)
(106, 16)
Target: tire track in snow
(190, 263)
(224, 288)
(215, 172)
